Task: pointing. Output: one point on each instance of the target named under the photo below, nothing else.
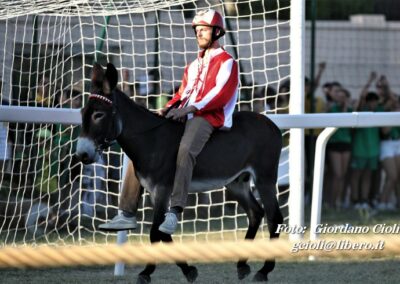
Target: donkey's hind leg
(159, 208)
(240, 191)
(267, 191)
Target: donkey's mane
(143, 109)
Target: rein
(107, 143)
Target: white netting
(67, 8)
(47, 53)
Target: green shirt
(342, 135)
(366, 141)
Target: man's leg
(196, 134)
(128, 204)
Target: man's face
(203, 36)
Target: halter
(100, 97)
(101, 146)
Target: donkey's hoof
(192, 274)
(260, 277)
(243, 271)
(143, 279)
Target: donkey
(251, 149)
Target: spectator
(365, 150)
(338, 149)
(133, 90)
(309, 89)
(313, 104)
(5, 145)
(65, 140)
(330, 89)
(47, 94)
(261, 96)
(389, 147)
(280, 103)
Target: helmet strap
(215, 36)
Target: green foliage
(340, 9)
(270, 9)
(326, 9)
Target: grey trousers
(196, 134)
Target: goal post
(296, 106)
(47, 54)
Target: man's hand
(162, 112)
(180, 113)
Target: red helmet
(209, 18)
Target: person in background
(260, 100)
(313, 104)
(5, 143)
(365, 150)
(330, 89)
(389, 147)
(338, 149)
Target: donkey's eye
(98, 115)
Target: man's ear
(111, 77)
(97, 75)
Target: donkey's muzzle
(86, 151)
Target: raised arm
(317, 79)
(361, 102)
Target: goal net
(47, 51)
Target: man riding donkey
(206, 101)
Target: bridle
(106, 143)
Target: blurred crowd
(362, 164)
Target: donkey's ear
(97, 75)
(111, 76)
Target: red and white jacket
(210, 85)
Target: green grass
(367, 271)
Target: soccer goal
(47, 51)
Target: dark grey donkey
(250, 149)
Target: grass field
(372, 270)
(367, 271)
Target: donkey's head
(101, 124)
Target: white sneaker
(119, 223)
(170, 223)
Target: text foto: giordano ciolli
(349, 229)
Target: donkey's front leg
(144, 276)
(190, 272)
(159, 208)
